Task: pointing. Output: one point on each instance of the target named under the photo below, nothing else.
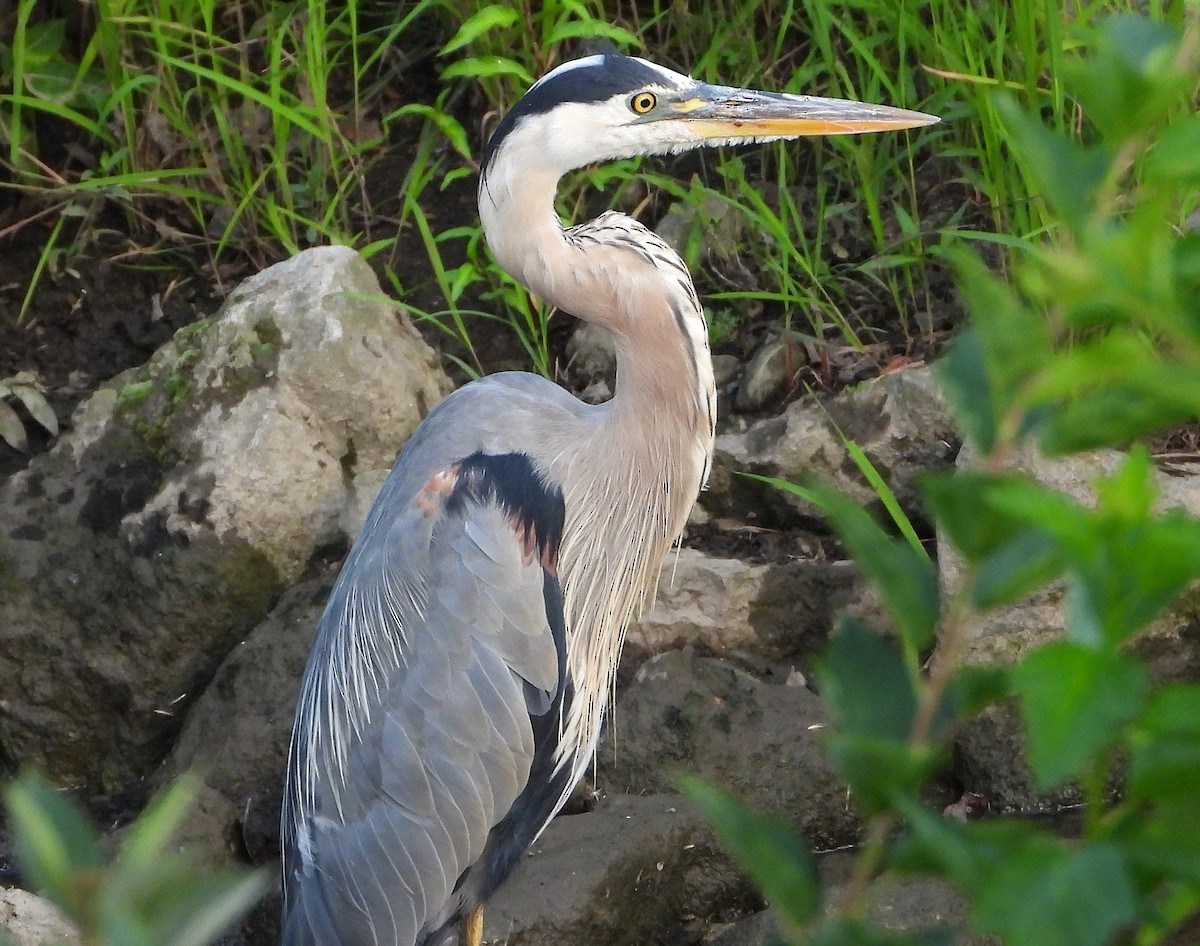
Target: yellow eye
(643, 102)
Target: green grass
(248, 131)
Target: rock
(764, 379)
(591, 354)
(758, 929)
(725, 369)
(775, 612)
(899, 420)
(189, 494)
(692, 714)
(632, 872)
(717, 224)
(988, 758)
(236, 736)
(897, 903)
(28, 920)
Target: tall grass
(248, 129)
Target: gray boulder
(900, 421)
(187, 495)
(685, 713)
(235, 738)
(28, 920)
(771, 612)
(632, 872)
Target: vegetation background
(206, 137)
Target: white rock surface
(28, 920)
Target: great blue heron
(458, 678)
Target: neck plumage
(632, 475)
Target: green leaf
(1068, 173)
(1164, 764)
(43, 42)
(1125, 84)
(486, 67)
(1074, 700)
(39, 408)
(53, 838)
(881, 771)
(963, 373)
(973, 688)
(932, 843)
(593, 29)
(866, 685)
(1175, 155)
(208, 906)
(988, 519)
(147, 838)
(1046, 894)
(12, 431)
(494, 17)
(905, 577)
(781, 866)
(1029, 560)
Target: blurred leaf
(1164, 762)
(904, 576)
(206, 907)
(1011, 553)
(53, 838)
(1069, 173)
(934, 844)
(974, 688)
(1162, 844)
(1014, 343)
(866, 685)
(147, 838)
(493, 17)
(1027, 562)
(881, 770)
(963, 373)
(781, 866)
(1045, 894)
(1124, 82)
(1074, 702)
(1176, 152)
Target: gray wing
(415, 732)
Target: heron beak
(719, 112)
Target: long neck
(613, 272)
(632, 476)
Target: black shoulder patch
(610, 74)
(536, 507)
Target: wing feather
(435, 649)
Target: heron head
(610, 106)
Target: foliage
(24, 389)
(1094, 343)
(250, 130)
(146, 894)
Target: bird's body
(458, 677)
